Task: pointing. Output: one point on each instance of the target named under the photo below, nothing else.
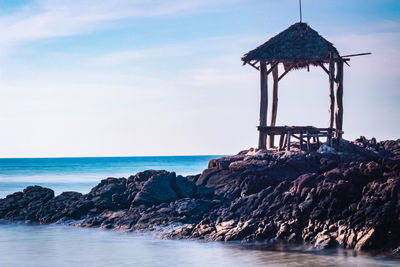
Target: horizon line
(148, 156)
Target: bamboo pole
(339, 99)
(331, 93)
(262, 140)
(274, 103)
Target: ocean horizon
(80, 174)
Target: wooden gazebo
(297, 47)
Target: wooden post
(288, 141)
(281, 141)
(262, 140)
(339, 97)
(331, 92)
(274, 103)
(301, 140)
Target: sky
(158, 77)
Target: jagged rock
(349, 199)
(157, 189)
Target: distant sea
(81, 174)
(58, 245)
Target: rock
(325, 241)
(324, 148)
(366, 242)
(157, 189)
(183, 187)
(349, 199)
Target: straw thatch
(297, 46)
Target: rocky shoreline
(348, 199)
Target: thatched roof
(299, 45)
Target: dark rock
(349, 199)
(157, 189)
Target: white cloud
(215, 48)
(48, 19)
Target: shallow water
(56, 245)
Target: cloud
(211, 48)
(49, 19)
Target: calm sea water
(81, 174)
(57, 245)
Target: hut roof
(299, 45)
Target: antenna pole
(301, 16)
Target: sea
(61, 245)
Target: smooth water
(81, 174)
(58, 245)
(55, 245)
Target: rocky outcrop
(348, 199)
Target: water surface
(56, 245)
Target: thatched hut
(297, 47)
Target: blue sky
(115, 78)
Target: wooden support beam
(288, 141)
(281, 139)
(254, 65)
(331, 93)
(285, 141)
(339, 99)
(286, 71)
(301, 140)
(323, 67)
(274, 108)
(262, 139)
(272, 67)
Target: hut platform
(304, 134)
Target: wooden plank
(262, 140)
(274, 103)
(295, 136)
(339, 100)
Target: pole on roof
(301, 16)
